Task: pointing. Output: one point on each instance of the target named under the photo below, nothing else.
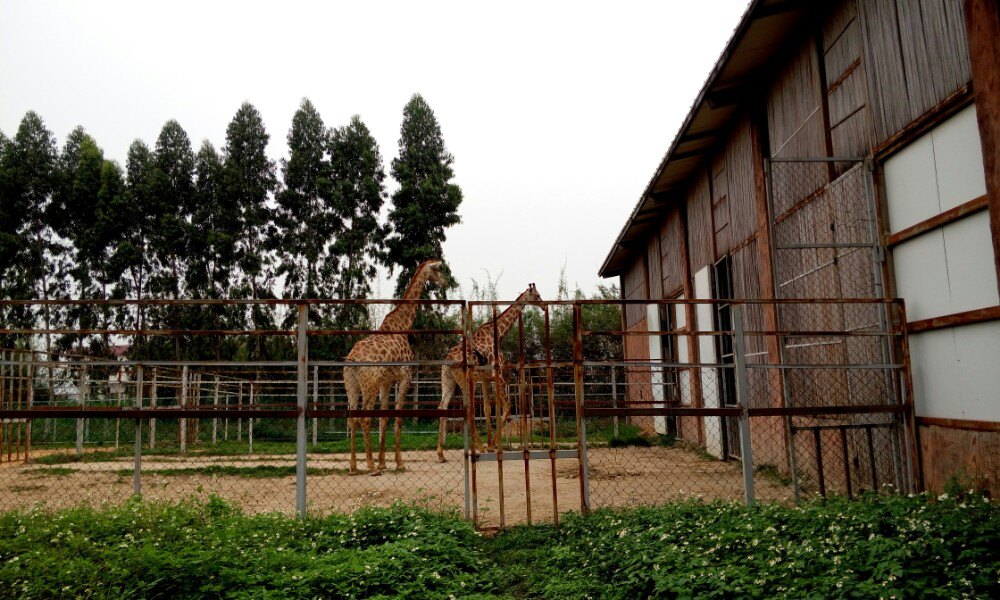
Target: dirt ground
(618, 477)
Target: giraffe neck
(503, 322)
(402, 316)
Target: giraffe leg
(447, 391)
(503, 412)
(404, 387)
(369, 394)
(487, 412)
(383, 397)
(353, 393)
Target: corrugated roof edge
(738, 33)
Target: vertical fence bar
(137, 467)
(743, 400)
(315, 421)
(497, 442)
(81, 392)
(581, 422)
(302, 398)
(914, 466)
(215, 420)
(469, 416)
(152, 404)
(845, 456)
(614, 397)
(819, 462)
(184, 400)
(31, 404)
(550, 390)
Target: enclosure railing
(591, 403)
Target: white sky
(557, 113)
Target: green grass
(877, 547)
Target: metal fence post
(581, 421)
(743, 400)
(137, 468)
(302, 396)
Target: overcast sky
(557, 113)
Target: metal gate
(826, 244)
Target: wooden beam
(948, 216)
(979, 315)
(959, 424)
(982, 27)
(777, 8)
(701, 135)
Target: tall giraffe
(368, 382)
(481, 353)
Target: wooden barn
(841, 149)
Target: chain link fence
(559, 418)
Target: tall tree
(249, 182)
(426, 202)
(359, 184)
(73, 214)
(172, 199)
(136, 214)
(215, 226)
(305, 219)
(34, 261)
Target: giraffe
(368, 382)
(481, 352)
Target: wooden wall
(851, 131)
(634, 288)
(671, 257)
(915, 58)
(949, 452)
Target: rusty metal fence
(576, 416)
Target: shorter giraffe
(481, 353)
(372, 381)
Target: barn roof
(761, 33)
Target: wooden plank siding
(671, 255)
(634, 288)
(915, 58)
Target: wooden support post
(982, 26)
(250, 423)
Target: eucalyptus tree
(305, 218)
(34, 260)
(427, 202)
(136, 214)
(359, 190)
(215, 227)
(74, 215)
(249, 182)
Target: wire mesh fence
(557, 410)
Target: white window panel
(958, 158)
(972, 281)
(955, 374)
(683, 352)
(656, 373)
(911, 185)
(922, 276)
(706, 351)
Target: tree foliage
(426, 202)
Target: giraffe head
(434, 274)
(531, 295)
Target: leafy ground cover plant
(877, 547)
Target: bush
(876, 547)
